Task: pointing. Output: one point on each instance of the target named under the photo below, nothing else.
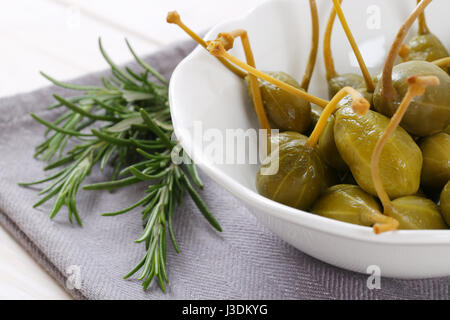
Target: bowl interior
(207, 99)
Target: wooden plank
(147, 18)
(44, 35)
(21, 277)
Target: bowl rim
(249, 197)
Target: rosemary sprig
(124, 123)
(159, 204)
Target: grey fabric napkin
(245, 261)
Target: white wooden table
(60, 38)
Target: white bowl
(203, 90)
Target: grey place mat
(245, 261)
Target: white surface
(202, 89)
(60, 38)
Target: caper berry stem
(327, 55)
(423, 27)
(359, 105)
(382, 222)
(174, 18)
(403, 52)
(388, 91)
(442, 63)
(314, 45)
(227, 40)
(362, 65)
(217, 49)
(416, 87)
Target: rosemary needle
(125, 123)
